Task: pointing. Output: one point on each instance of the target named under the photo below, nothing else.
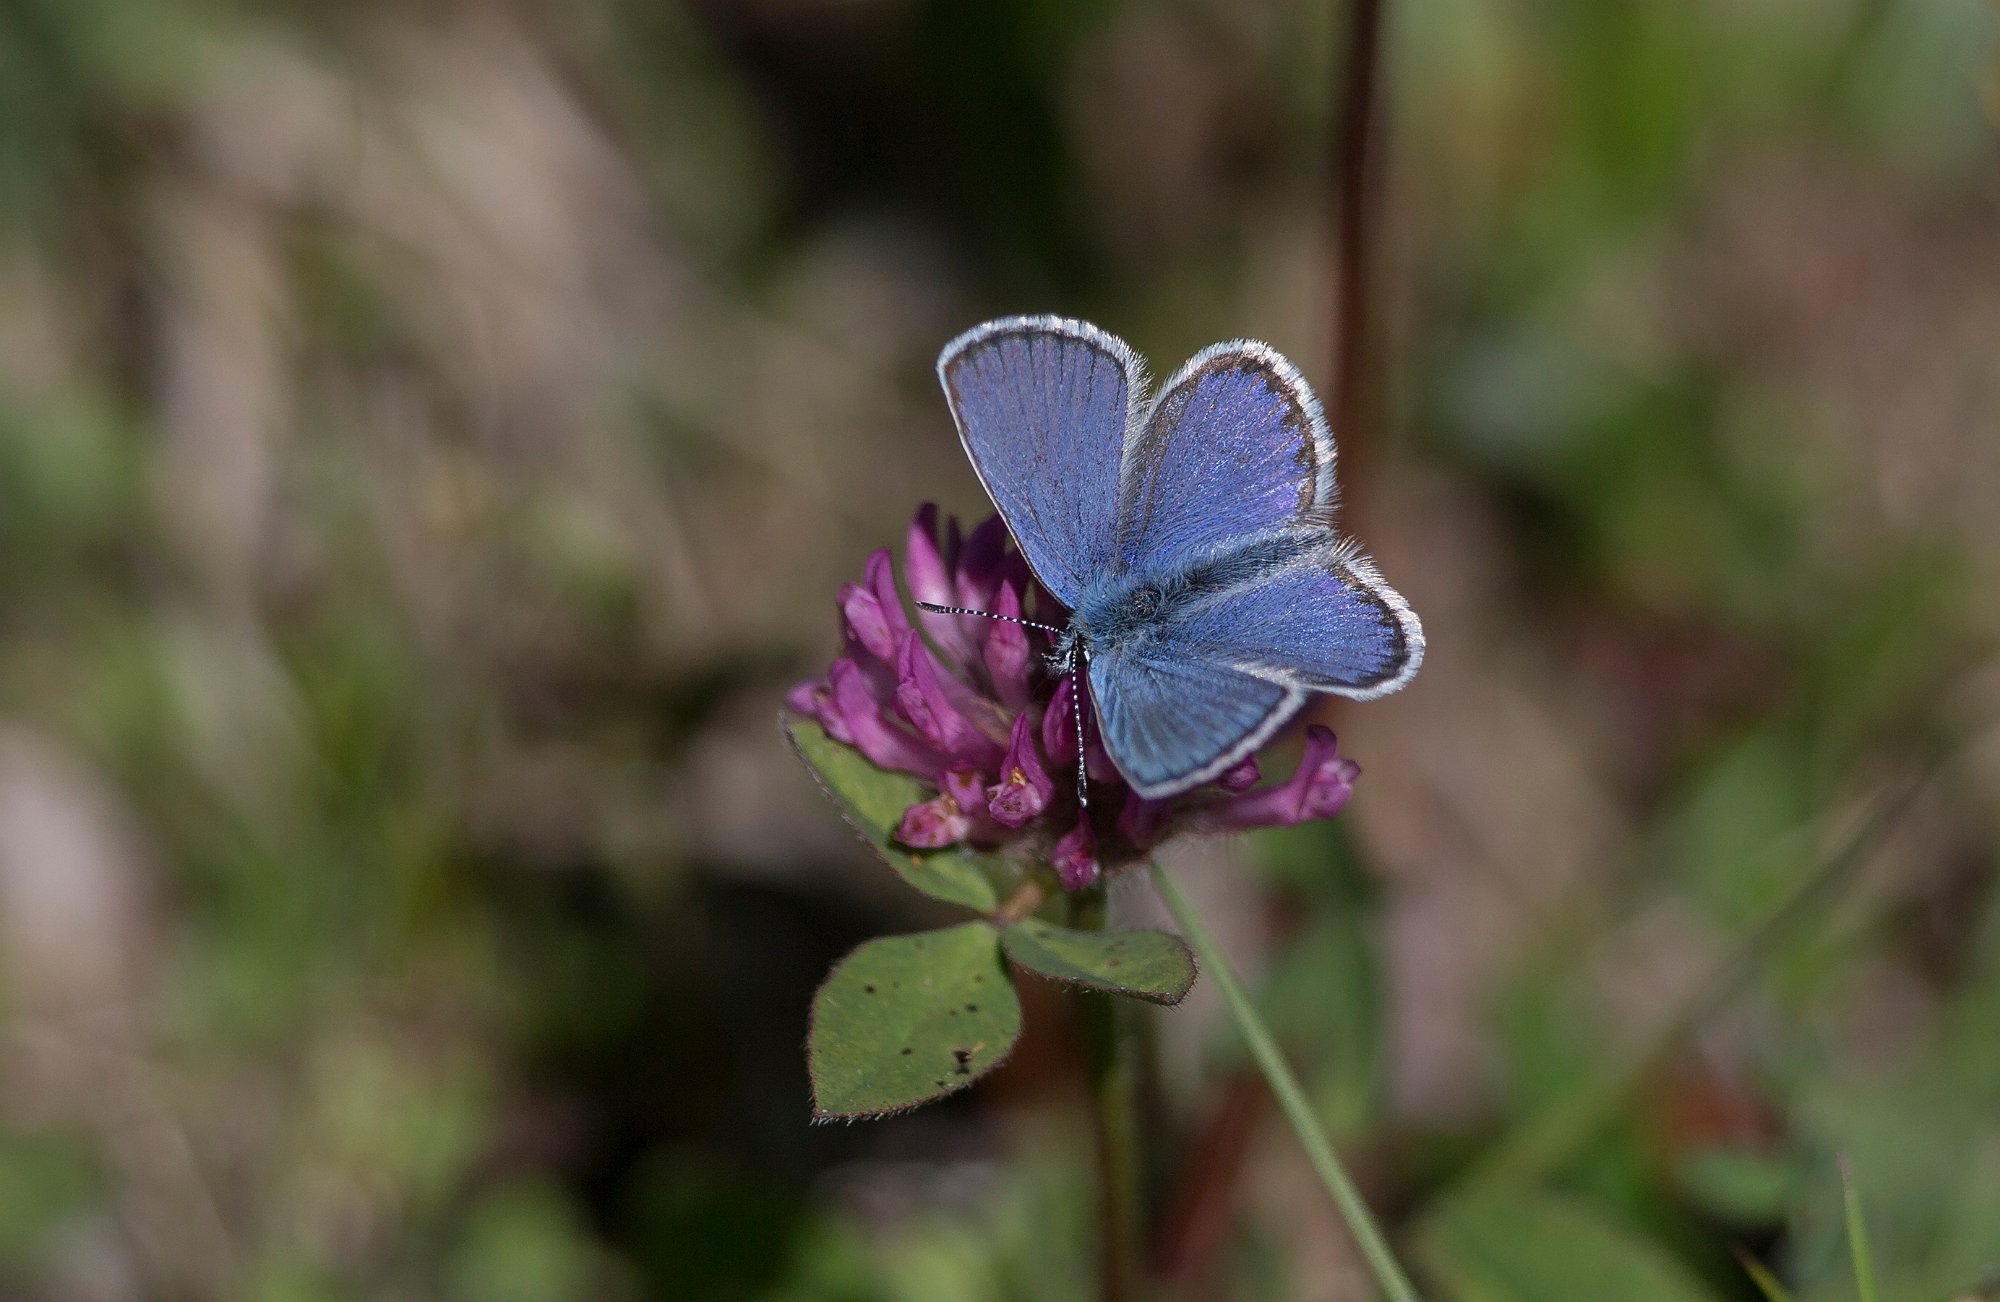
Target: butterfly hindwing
(1322, 621)
(1213, 677)
(1042, 405)
(1173, 720)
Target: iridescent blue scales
(1190, 533)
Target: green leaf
(1150, 965)
(907, 1019)
(1514, 1245)
(873, 800)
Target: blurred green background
(431, 435)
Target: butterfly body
(1190, 534)
(1135, 608)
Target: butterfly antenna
(985, 614)
(1076, 685)
(1082, 776)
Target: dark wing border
(1343, 558)
(1317, 510)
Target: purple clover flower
(976, 712)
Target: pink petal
(933, 824)
(1059, 738)
(879, 577)
(928, 572)
(804, 697)
(957, 813)
(1059, 724)
(1025, 788)
(863, 622)
(1320, 788)
(1241, 778)
(852, 715)
(1007, 653)
(1075, 857)
(923, 701)
(967, 786)
(923, 564)
(964, 784)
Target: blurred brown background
(431, 435)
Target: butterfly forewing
(1234, 447)
(1042, 405)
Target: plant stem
(1857, 1233)
(1027, 897)
(1761, 1276)
(1114, 1125)
(1117, 1146)
(1291, 1098)
(1357, 200)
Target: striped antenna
(1075, 685)
(936, 609)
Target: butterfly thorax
(1128, 608)
(1119, 610)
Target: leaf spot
(869, 990)
(906, 1051)
(972, 1008)
(1114, 962)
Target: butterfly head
(1072, 648)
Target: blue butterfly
(1189, 532)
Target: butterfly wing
(1234, 447)
(1321, 621)
(1042, 405)
(1212, 680)
(1173, 720)
(1225, 487)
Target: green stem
(1117, 1149)
(1857, 1233)
(1291, 1098)
(1114, 1126)
(1761, 1276)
